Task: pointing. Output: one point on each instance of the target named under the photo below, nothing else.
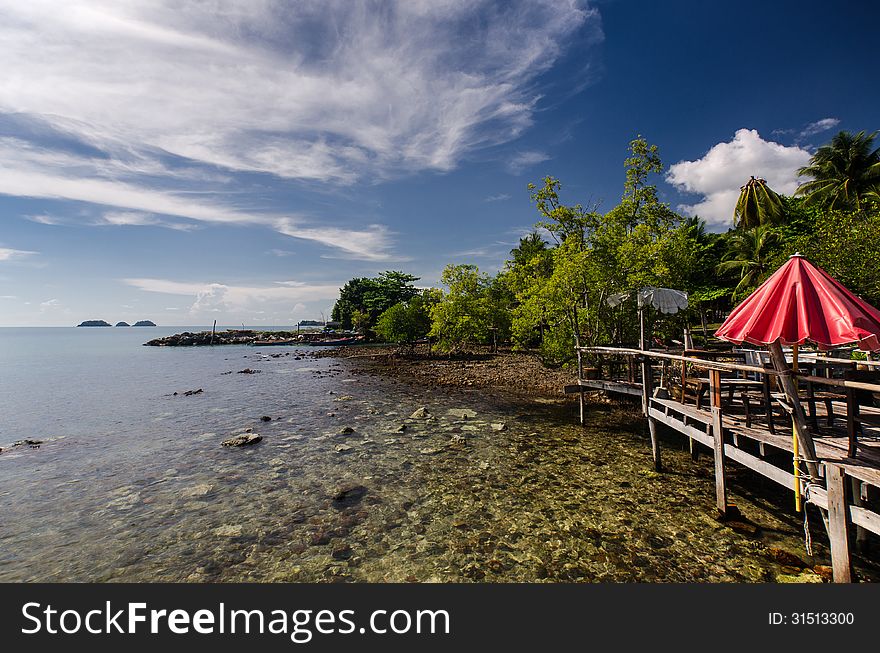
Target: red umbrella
(802, 302)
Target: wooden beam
(838, 521)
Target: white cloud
(218, 297)
(818, 127)
(320, 90)
(522, 160)
(720, 173)
(9, 254)
(498, 198)
(30, 171)
(137, 219)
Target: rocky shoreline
(517, 372)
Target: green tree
(370, 297)
(845, 173)
(406, 322)
(751, 253)
(472, 311)
(846, 245)
(757, 204)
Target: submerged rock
(248, 370)
(349, 495)
(34, 444)
(420, 413)
(228, 530)
(242, 440)
(265, 418)
(345, 430)
(498, 426)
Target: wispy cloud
(9, 254)
(136, 219)
(31, 171)
(811, 129)
(213, 297)
(522, 160)
(818, 127)
(720, 173)
(498, 198)
(316, 91)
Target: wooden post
(580, 378)
(861, 533)
(838, 520)
(655, 444)
(718, 437)
(647, 385)
(798, 417)
(213, 329)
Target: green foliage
(475, 310)
(550, 295)
(845, 173)
(757, 205)
(404, 323)
(362, 299)
(750, 252)
(847, 246)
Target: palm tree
(757, 204)
(749, 251)
(845, 172)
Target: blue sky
(240, 160)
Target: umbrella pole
(794, 439)
(798, 417)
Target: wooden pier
(743, 419)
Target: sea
(110, 471)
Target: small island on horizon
(102, 323)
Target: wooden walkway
(848, 488)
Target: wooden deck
(848, 487)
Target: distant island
(102, 323)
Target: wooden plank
(620, 387)
(686, 429)
(838, 518)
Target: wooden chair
(762, 398)
(854, 400)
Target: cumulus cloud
(720, 173)
(213, 297)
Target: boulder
(242, 440)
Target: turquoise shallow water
(130, 482)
